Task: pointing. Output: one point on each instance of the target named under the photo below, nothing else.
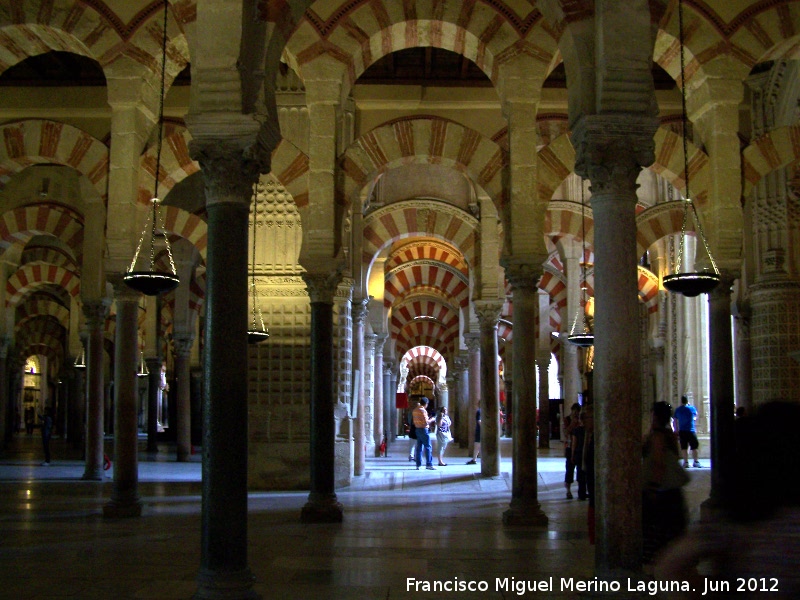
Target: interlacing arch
(423, 140)
(175, 165)
(415, 273)
(30, 277)
(29, 142)
(19, 225)
(365, 32)
(290, 167)
(774, 150)
(40, 308)
(428, 317)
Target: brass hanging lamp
(698, 282)
(582, 336)
(257, 332)
(150, 281)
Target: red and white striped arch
(30, 277)
(768, 153)
(656, 222)
(423, 140)
(50, 255)
(427, 333)
(427, 353)
(41, 308)
(402, 220)
(175, 165)
(186, 225)
(416, 274)
(648, 289)
(428, 250)
(360, 33)
(19, 225)
(31, 142)
(290, 168)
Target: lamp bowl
(256, 336)
(151, 283)
(691, 284)
(584, 340)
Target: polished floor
(400, 523)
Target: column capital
(233, 150)
(612, 148)
(322, 287)
(183, 343)
(380, 343)
(359, 310)
(473, 342)
(488, 312)
(369, 342)
(95, 312)
(523, 272)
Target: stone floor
(56, 543)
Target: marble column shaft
(488, 316)
(524, 508)
(125, 500)
(542, 365)
(153, 381)
(322, 505)
(7, 413)
(474, 394)
(95, 313)
(359, 315)
(183, 350)
(612, 150)
(380, 413)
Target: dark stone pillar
(183, 349)
(723, 443)
(488, 312)
(125, 500)
(524, 508)
(6, 409)
(322, 505)
(611, 151)
(229, 175)
(95, 313)
(77, 407)
(196, 390)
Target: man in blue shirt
(685, 416)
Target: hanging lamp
(143, 370)
(583, 338)
(150, 281)
(257, 332)
(80, 362)
(699, 282)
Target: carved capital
(612, 149)
(488, 312)
(523, 272)
(95, 312)
(183, 343)
(359, 311)
(228, 171)
(473, 342)
(322, 287)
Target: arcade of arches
(441, 192)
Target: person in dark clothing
(47, 432)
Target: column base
(93, 475)
(525, 515)
(322, 510)
(122, 510)
(712, 510)
(237, 585)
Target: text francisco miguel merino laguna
(565, 584)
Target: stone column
(125, 495)
(153, 380)
(95, 313)
(381, 430)
(542, 365)
(322, 505)
(474, 394)
(7, 414)
(723, 443)
(465, 424)
(77, 393)
(369, 396)
(359, 315)
(571, 255)
(183, 351)
(488, 312)
(390, 412)
(524, 508)
(230, 167)
(744, 363)
(611, 152)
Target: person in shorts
(685, 417)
